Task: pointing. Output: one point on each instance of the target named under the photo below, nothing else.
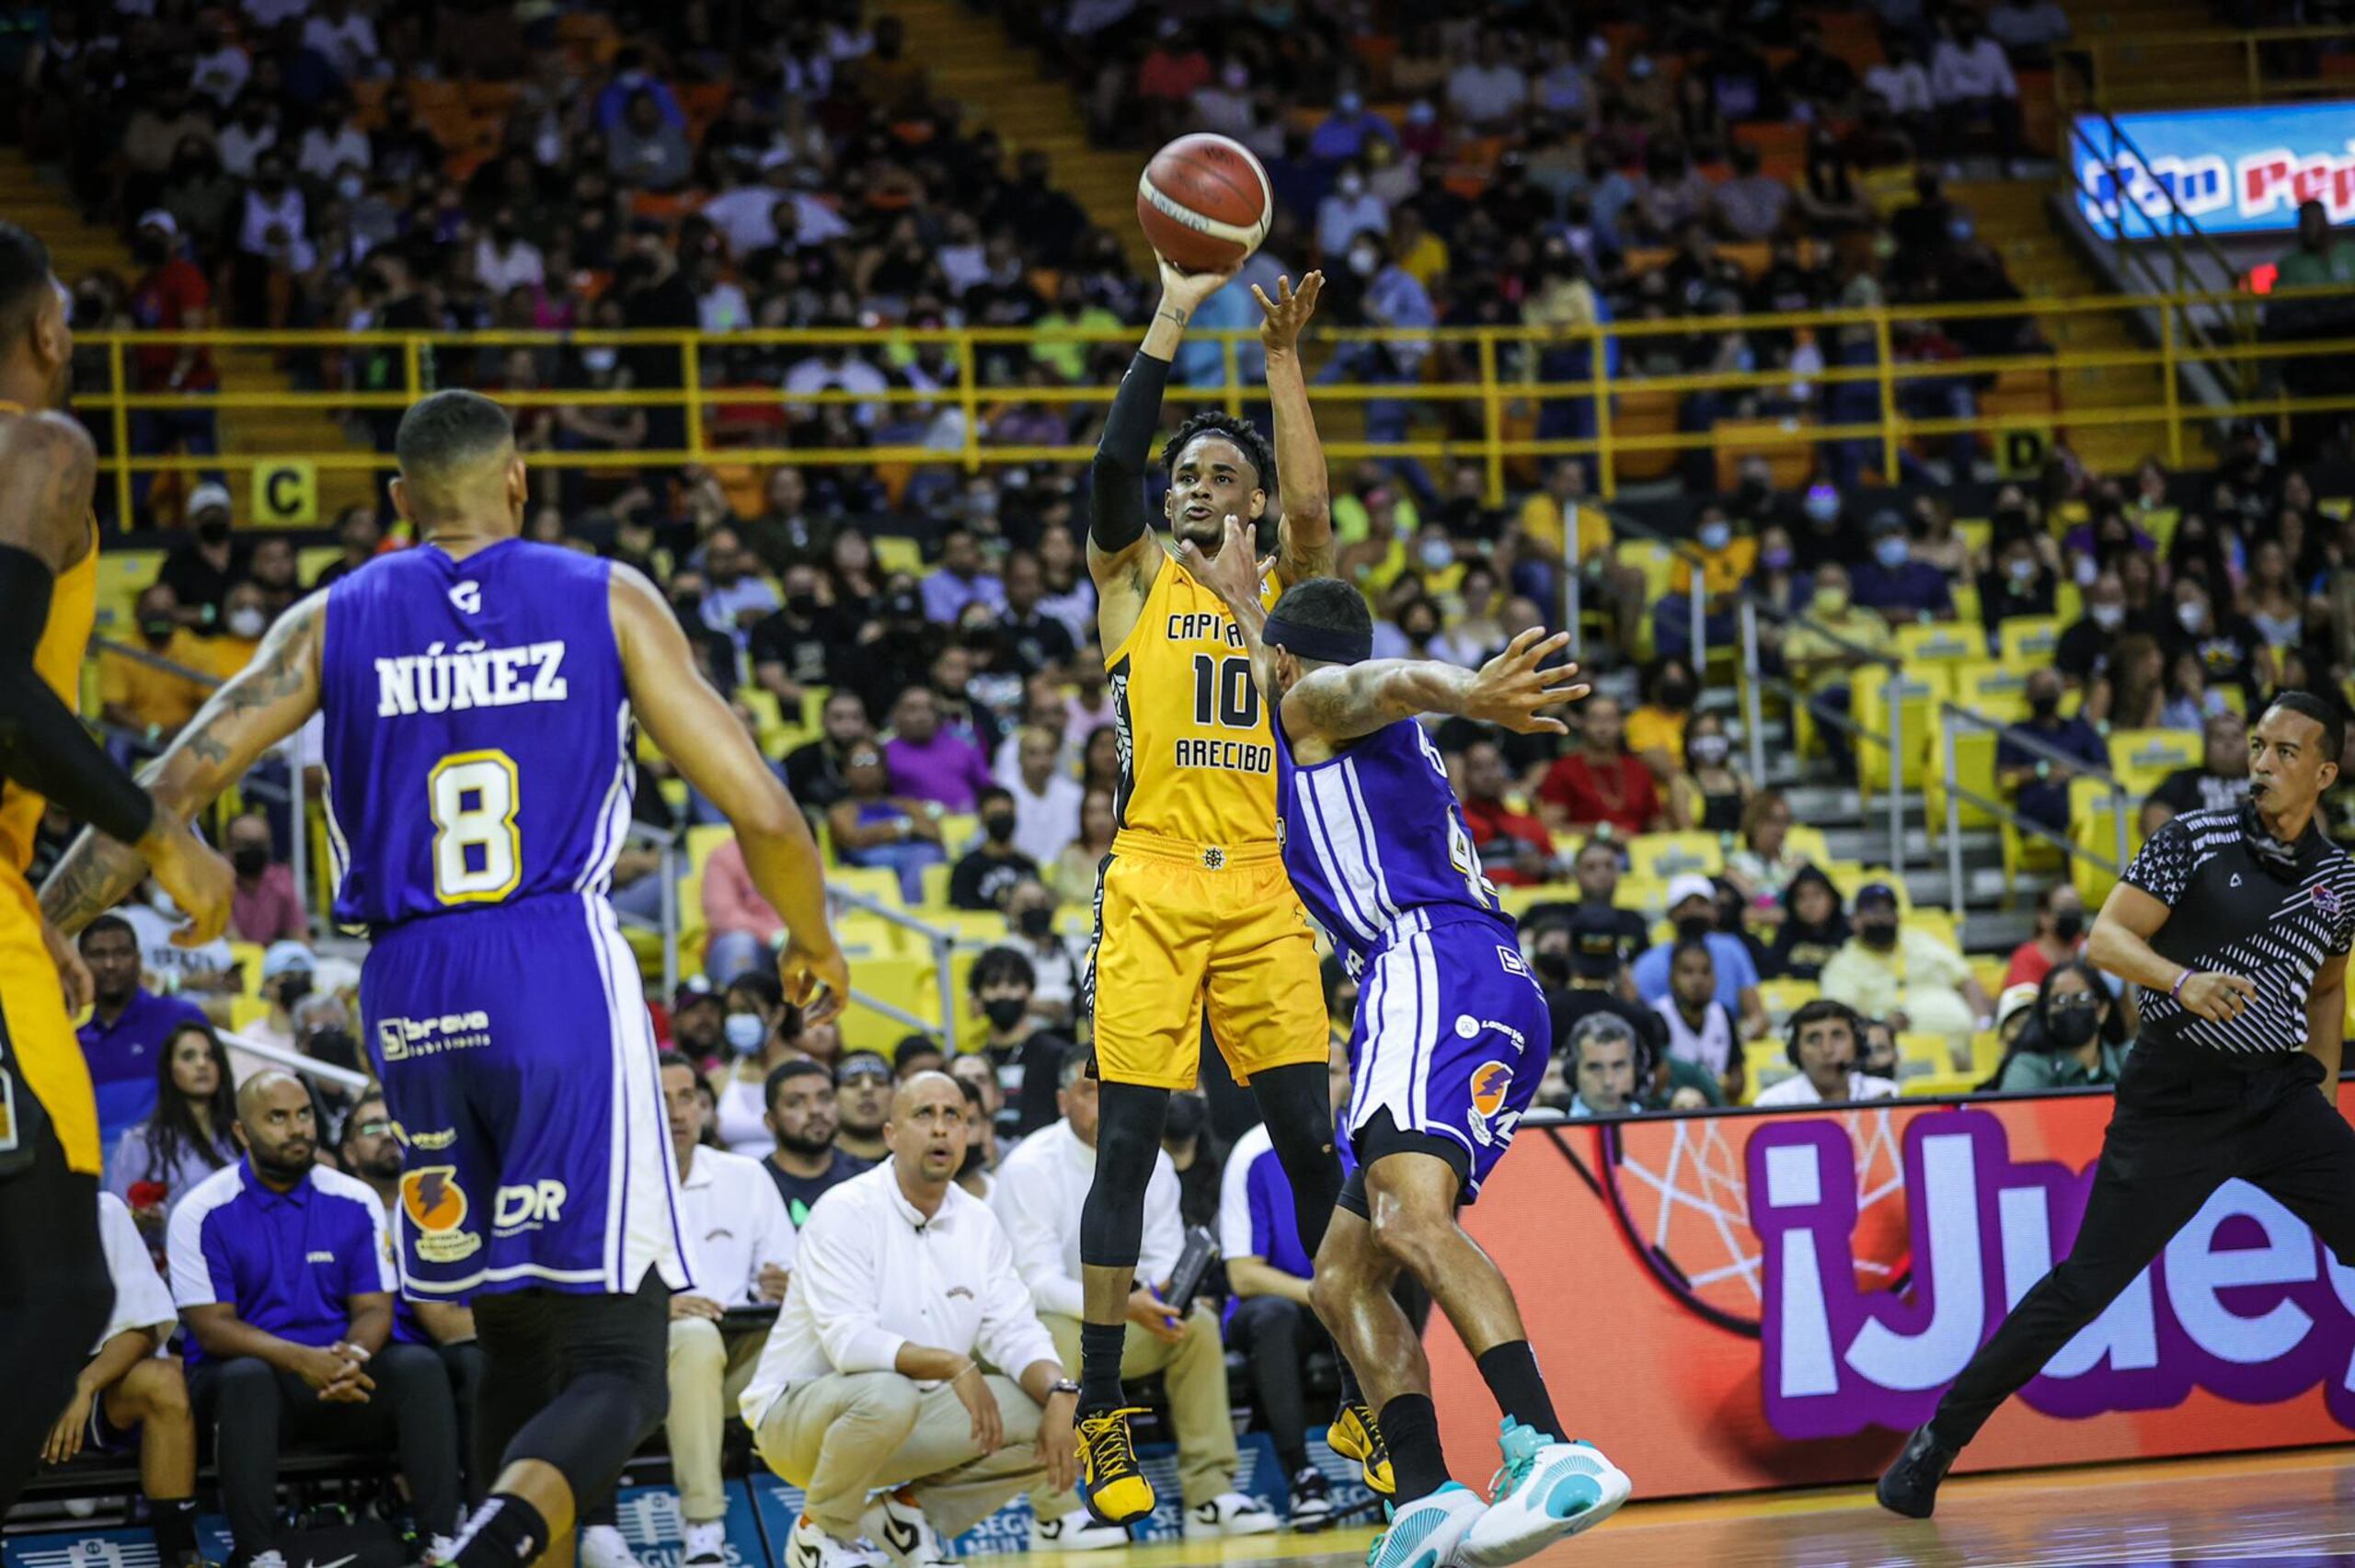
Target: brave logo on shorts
(1490, 1122)
(436, 1205)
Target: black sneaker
(1312, 1499)
(1910, 1485)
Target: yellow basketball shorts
(1179, 925)
(40, 1047)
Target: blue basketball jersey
(479, 744)
(1375, 834)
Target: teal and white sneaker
(1426, 1532)
(1547, 1489)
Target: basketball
(1204, 202)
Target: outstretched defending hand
(1510, 689)
(1288, 312)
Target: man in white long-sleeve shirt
(903, 1284)
(1042, 1187)
(1971, 80)
(739, 1246)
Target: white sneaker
(1078, 1530)
(602, 1546)
(1428, 1530)
(1229, 1512)
(1546, 1490)
(267, 1560)
(895, 1522)
(442, 1548)
(707, 1545)
(810, 1547)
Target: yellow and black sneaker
(1355, 1436)
(1110, 1482)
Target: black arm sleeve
(1116, 480)
(42, 746)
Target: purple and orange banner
(1751, 1300)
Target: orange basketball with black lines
(1204, 202)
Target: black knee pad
(1128, 1138)
(1296, 1103)
(615, 1389)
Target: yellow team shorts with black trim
(39, 1046)
(1180, 924)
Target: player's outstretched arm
(695, 730)
(1343, 702)
(1122, 556)
(263, 704)
(1305, 533)
(47, 470)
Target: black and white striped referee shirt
(2232, 915)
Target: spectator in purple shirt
(129, 1027)
(959, 580)
(2037, 784)
(1902, 589)
(925, 761)
(266, 906)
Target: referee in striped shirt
(2236, 924)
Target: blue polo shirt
(122, 1057)
(290, 1262)
(1727, 951)
(1255, 1209)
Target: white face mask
(247, 623)
(1352, 184)
(2022, 569)
(599, 359)
(2108, 617)
(1716, 535)
(2086, 570)
(2191, 615)
(348, 186)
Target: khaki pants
(708, 1373)
(841, 1436)
(1195, 1370)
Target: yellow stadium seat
(1986, 1054)
(2095, 815)
(1988, 970)
(1809, 842)
(1967, 609)
(2159, 522)
(1992, 688)
(1655, 560)
(897, 553)
(1976, 532)
(958, 829)
(1662, 857)
(1939, 923)
(1941, 641)
(1920, 1056)
(1920, 689)
(245, 958)
(1937, 1084)
(2152, 754)
(877, 882)
(2027, 641)
(1644, 895)
(245, 1012)
(1764, 1064)
(936, 886)
(2068, 603)
(1783, 998)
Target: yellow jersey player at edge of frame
(1193, 907)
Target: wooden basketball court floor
(2278, 1510)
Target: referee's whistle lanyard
(2276, 859)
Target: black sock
(1100, 1345)
(1294, 1458)
(1411, 1426)
(1511, 1371)
(174, 1522)
(504, 1531)
(1351, 1393)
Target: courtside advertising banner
(2233, 171)
(1745, 1300)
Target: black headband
(1319, 643)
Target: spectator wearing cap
(1905, 975)
(128, 1028)
(279, 1267)
(170, 295)
(2032, 775)
(1825, 1047)
(699, 1021)
(1902, 590)
(738, 1242)
(1041, 1188)
(1693, 906)
(863, 1081)
(132, 1396)
(265, 905)
(202, 570)
(1600, 783)
(804, 1116)
(2012, 1010)
(289, 970)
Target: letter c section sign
(286, 492)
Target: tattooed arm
(1342, 702)
(264, 704)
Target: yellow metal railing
(2226, 66)
(1483, 381)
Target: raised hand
(1233, 574)
(1288, 312)
(1510, 688)
(1187, 290)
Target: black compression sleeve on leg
(1296, 1103)
(1116, 479)
(42, 746)
(1128, 1136)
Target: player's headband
(1319, 643)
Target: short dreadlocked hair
(1242, 432)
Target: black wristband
(42, 745)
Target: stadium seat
(2137, 755)
(1764, 1063)
(2027, 641)
(1934, 923)
(1809, 842)
(246, 957)
(936, 886)
(1939, 1084)
(1986, 1054)
(877, 882)
(1920, 690)
(2094, 814)
(1922, 1055)
(1993, 689)
(1940, 642)
(1783, 998)
(1662, 857)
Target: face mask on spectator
(1437, 554)
(1891, 552)
(2192, 616)
(158, 631)
(1363, 259)
(598, 359)
(1004, 1012)
(744, 1032)
(2085, 571)
(2108, 617)
(1776, 558)
(250, 860)
(1822, 504)
(2069, 924)
(802, 604)
(1692, 928)
(245, 621)
(1352, 184)
(349, 186)
(2022, 568)
(2043, 704)
(2071, 1026)
(1348, 105)
(1037, 922)
(1831, 601)
(999, 826)
(1710, 749)
(1879, 934)
(1716, 535)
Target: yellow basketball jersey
(73, 610)
(1196, 761)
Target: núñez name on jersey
(471, 675)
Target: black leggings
(2182, 1128)
(55, 1290)
(1276, 1336)
(574, 1381)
